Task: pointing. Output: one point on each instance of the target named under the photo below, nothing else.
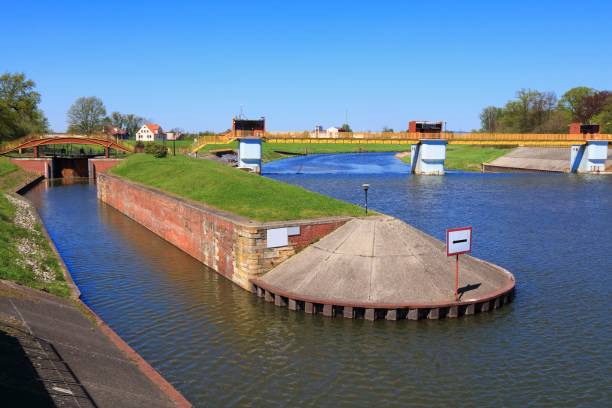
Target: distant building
(249, 133)
(150, 132)
(332, 131)
(580, 128)
(118, 133)
(422, 126)
(248, 127)
(173, 135)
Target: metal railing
(15, 144)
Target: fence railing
(15, 144)
(514, 137)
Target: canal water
(221, 346)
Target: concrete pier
(382, 268)
(593, 157)
(428, 156)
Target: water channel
(221, 346)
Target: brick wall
(42, 167)
(233, 246)
(101, 166)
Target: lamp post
(365, 190)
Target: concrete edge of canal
(142, 365)
(373, 267)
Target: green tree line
(542, 112)
(19, 111)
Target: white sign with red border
(458, 241)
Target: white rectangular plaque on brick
(292, 231)
(277, 237)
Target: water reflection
(223, 346)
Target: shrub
(139, 147)
(156, 149)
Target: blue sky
(194, 64)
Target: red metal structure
(35, 141)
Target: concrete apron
(382, 268)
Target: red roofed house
(150, 133)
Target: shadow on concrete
(467, 288)
(32, 374)
(19, 382)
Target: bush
(139, 147)
(156, 149)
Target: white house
(150, 132)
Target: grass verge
(26, 256)
(275, 151)
(469, 157)
(458, 157)
(230, 189)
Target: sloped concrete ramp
(543, 159)
(380, 267)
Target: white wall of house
(145, 134)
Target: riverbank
(458, 157)
(228, 189)
(276, 151)
(43, 321)
(466, 157)
(26, 257)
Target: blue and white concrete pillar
(249, 154)
(589, 158)
(428, 156)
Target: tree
(591, 105)
(572, 101)
(117, 120)
(386, 129)
(19, 111)
(604, 117)
(346, 128)
(132, 123)
(489, 119)
(86, 115)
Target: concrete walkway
(51, 354)
(553, 159)
(382, 262)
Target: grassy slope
(12, 266)
(270, 150)
(468, 157)
(458, 157)
(232, 190)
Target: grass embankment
(275, 151)
(458, 157)
(26, 256)
(469, 157)
(230, 189)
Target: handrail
(15, 144)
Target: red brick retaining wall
(233, 246)
(42, 166)
(101, 166)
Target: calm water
(222, 346)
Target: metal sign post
(458, 241)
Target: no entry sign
(458, 241)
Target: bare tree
(132, 123)
(86, 115)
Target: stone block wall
(233, 246)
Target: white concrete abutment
(589, 158)
(428, 156)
